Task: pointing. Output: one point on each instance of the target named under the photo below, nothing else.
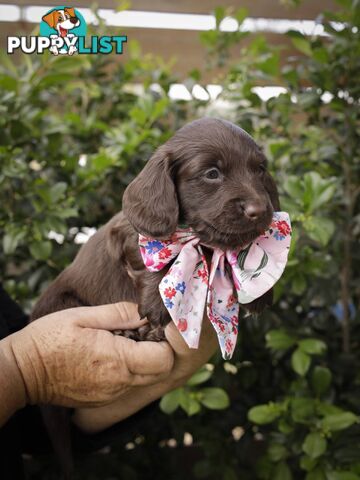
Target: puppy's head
(211, 176)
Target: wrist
(31, 368)
(12, 387)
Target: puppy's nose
(74, 20)
(252, 210)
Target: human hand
(70, 358)
(187, 361)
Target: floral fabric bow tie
(189, 285)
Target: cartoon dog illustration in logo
(62, 20)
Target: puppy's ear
(150, 203)
(50, 18)
(70, 11)
(272, 190)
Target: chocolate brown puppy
(211, 176)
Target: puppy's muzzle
(251, 209)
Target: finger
(145, 359)
(143, 380)
(114, 316)
(176, 340)
(208, 340)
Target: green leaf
(54, 223)
(139, 115)
(8, 82)
(123, 5)
(102, 161)
(307, 463)
(319, 229)
(54, 80)
(316, 474)
(282, 472)
(45, 194)
(293, 186)
(171, 401)
(320, 55)
(159, 108)
(285, 427)
(188, 402)
(263, 414)
(241, 14)
(220, 14)
(318, 191)
(313, 182)
(302, 409)
(270, 65)
(57, 191)
(324, 409)
(214, 398)
(339, 421)
(277, 452)
(298, 284)
(324, 196)
(67, 212)
(279, 340)
(11, 240)
(336, 475)
(301, 43)
(201, 376)
(300, 362)
(41, 250)
(280, 148)
(194, 406)
(320, 380)
(312, 346)
(314, 445)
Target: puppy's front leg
(151, 306)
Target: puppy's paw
(144, 333)
(260, 304)
(155, 317)
(154, 334)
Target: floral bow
(189, 285)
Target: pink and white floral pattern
(189, 286)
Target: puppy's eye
(212, 174)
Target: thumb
(148, 362)
(113, 316)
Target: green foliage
(305, 417)
(191, 399)
(73, 134)
(72, 138)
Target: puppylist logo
(62, 32)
